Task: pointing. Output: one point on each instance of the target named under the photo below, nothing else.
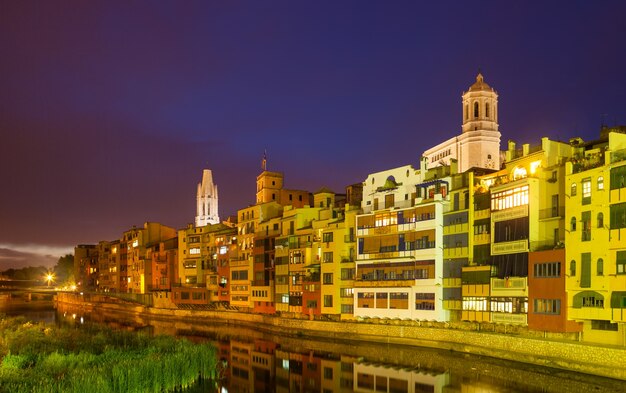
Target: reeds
(40, 358)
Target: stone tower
(479, 143)
(207, 212)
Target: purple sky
(110, 110)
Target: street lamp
(49, 278)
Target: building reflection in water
(256, 361)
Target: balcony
(509, 247)
(618, 155)
(553, 212)
(514, 319)
(455, 252)
(587, 162)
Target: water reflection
(259, 361)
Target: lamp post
(49, 278)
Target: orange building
(547, 299)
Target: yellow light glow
(534, 166)
(519, 173)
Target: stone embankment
(562, 354)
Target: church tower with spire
(207, 199)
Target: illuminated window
(620, 262)
(586, 184)
(519, 173)
(600, 183)
(510, 198)
(385, 219)
(194, 251)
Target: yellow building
(200, 250)
(458, 240)
(108, 266)
(137, 242)
(242, 267)
(294, 259)
(335, 241)
(596, 237)
(526, 215)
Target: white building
(207, 212)
(478, 146)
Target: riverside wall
(607, 361)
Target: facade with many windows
(399, 267)
(596, 240)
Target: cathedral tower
(478, 146)
(207, 212)
(479, 143)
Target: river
(255, 361)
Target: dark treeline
(63, 271)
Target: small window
(572, 268)
(487, 110)
(600, 220)
(600, 183)
(573, 189)
(475, 110)
(572, 226)
(600, 267)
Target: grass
(43, 358)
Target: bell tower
(479, 142)
(480, 107)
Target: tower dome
(480, 107)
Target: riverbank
(567, 355)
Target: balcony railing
(553, 212)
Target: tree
(64, 269)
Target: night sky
(110, 110)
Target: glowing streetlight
(49, 278)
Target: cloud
(19, 256)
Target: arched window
(600, 220)
(600, 183)
(487, 110)
(572, 225)
(466, 111)
(600, 267)
(475, 110)
(572, 268)
(573, 190)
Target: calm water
(255, 361)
